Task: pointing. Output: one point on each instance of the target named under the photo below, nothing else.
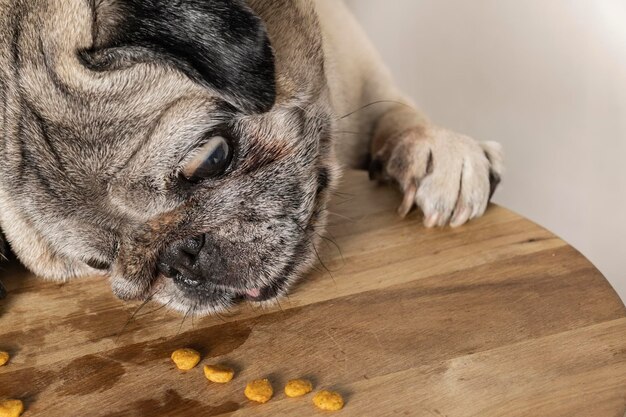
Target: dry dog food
(186, 358)
(218, 373)
(11, 408)
(328, 400)
(298, 387)
(259, 390)
(4, 358)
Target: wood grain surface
(496, 318)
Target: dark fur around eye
(220, 43)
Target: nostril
(185, 261)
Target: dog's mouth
(209, 299)
(256, 293)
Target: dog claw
(408, 201)
(432, 220)
(461, 218)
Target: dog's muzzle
(201, 263)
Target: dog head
(178, 147)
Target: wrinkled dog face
(165, 145)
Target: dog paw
(451, 177)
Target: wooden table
(496, 318)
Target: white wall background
(546, 78)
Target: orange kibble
(259, 390)
(11, 408)
(218, 373)
(185, 358)
(328, 400)
(298, 388)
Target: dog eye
(211, 160)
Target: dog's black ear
(220, 43)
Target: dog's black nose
(179, 261)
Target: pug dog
(186, 149)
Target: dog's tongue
(255, 293)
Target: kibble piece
(259, 390)
(328, 400)
(186, 358)
(11, 408)
(218, 373)
(4, 358)
(298, 387)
